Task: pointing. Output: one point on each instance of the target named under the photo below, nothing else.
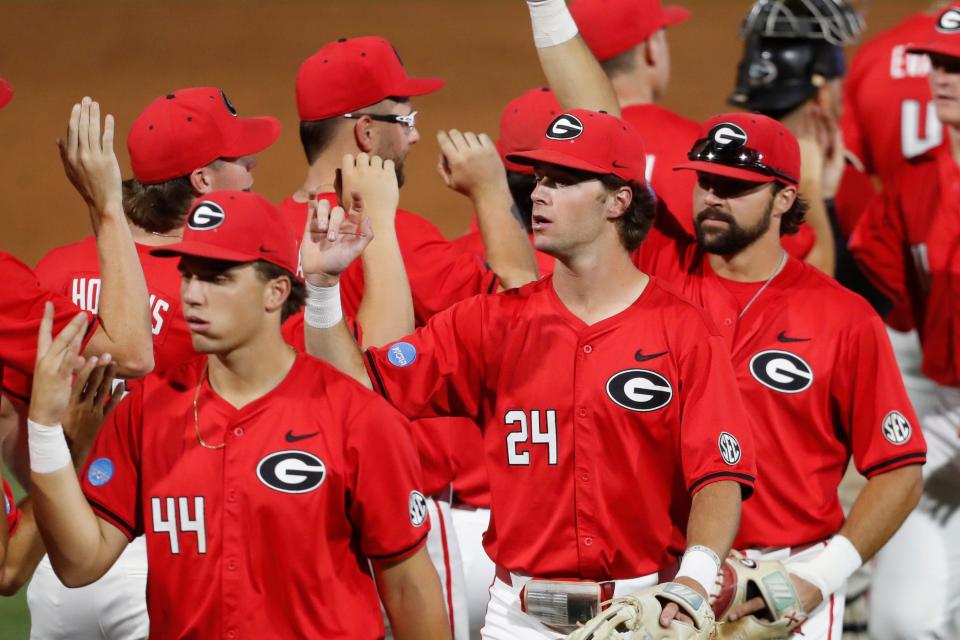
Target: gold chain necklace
(196, 414)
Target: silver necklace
(783, 258)
(166, 235)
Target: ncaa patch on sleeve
(100, 472)
(401, 354)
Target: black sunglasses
(706, 150)
(409, 120)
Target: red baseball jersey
(73, 271)
(440, 274)
(268, 536)
(908, 244)
(888, 113)
(667, 137)
(10, 508)
(21, 310)
(562, 404)
(799, 351)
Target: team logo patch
(949, 22)
(565, 127)
(896, 428)
(100, 472)
(418, 509)
(402, 354)
(781, 371)
(232, 109)
(727, 134)
(640, 390)
(729, 448)
(292, 471)
(206, 215)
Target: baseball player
(229, 463)
(353, 97)
(629, 38)
(797, 367)
(184, 144)
(907, 243)
(888, 111)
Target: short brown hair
(268, 271)
(635, 223)
(160, 207)
(621, 63)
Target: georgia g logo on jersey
(727, 134)
(292, 471)
(206, 215)
(949, 22)
(781, 371)
(896, 428)
(640, 390)
(565, 127)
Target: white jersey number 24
(532, 432)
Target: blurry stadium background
(125, 54)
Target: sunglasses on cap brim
(706, 150)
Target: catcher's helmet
(791, 47)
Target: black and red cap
(189, 129)
(746, 146)
(353, 73)
(236, 226)
(591, 141)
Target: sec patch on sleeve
(100, 472)
(402, 354)
(896, 428)
(729, 448)
(418, 509)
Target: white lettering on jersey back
(85, 293)
(908, 65)
(912, 142)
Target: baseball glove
(741, 579)
(637, 616)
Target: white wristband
(552, 22)
(831, 568)
(701, 564)
(323, 308)
(48, 448)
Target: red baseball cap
(592, 141)
(945, 36)
(6, 93)
(353, 73)
(746, 146)
(190, 128)
(523, 122)
(611, 27)
(236, 226)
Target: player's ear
(783, 200)
(200, 181)
(653, 49)
(364, 134)
(619, 200)
(275, 293)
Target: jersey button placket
(232, 530)
(584, 440)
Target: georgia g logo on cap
(206, 215)
(949, 22)
(727, 134)
(565, 127)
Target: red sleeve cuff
(745, 481)
(403, 554)
(895, 463)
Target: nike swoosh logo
(782, 337)
(643, 358)
(292, 438)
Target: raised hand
(469, 163)
(92, 399)
(332, 239)
(58, 358)
(376, 180)
(89, 160)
